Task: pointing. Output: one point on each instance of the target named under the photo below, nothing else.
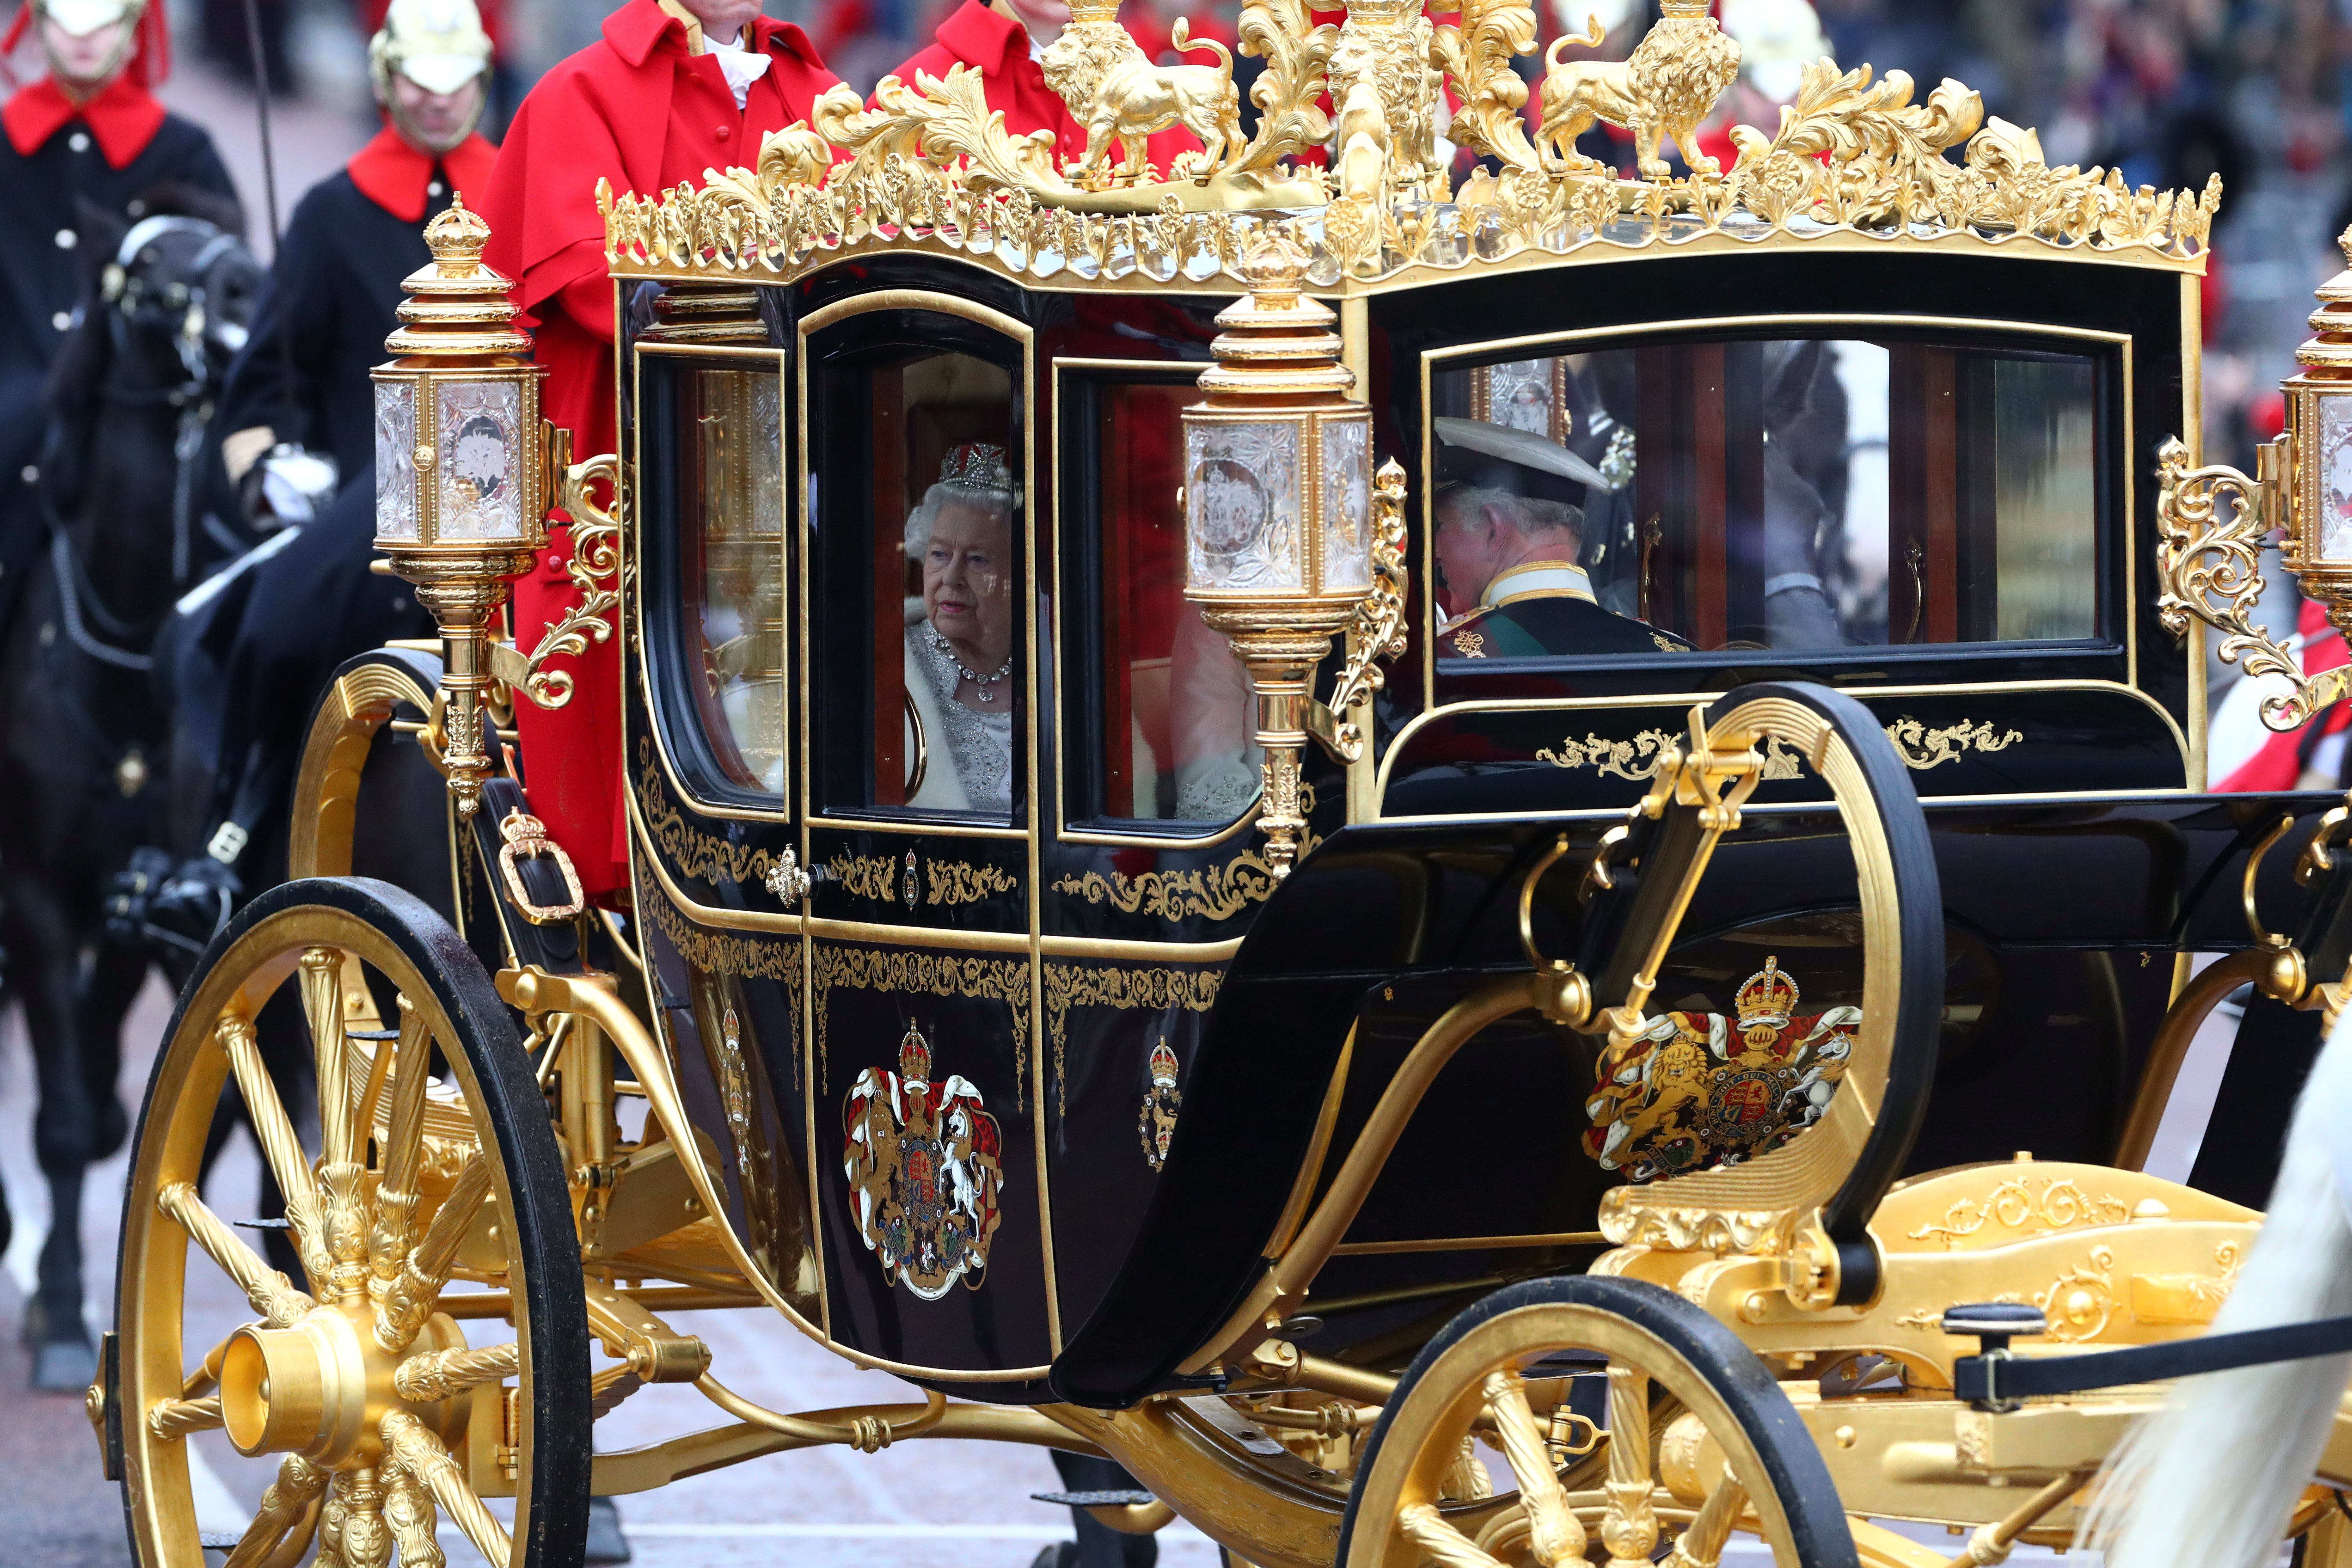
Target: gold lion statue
(1117, 93)
(1663, 90)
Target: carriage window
(1170, 705)
(731, 445)
(1804, 494)
(916, 502)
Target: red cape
(637, 109)
(980, 35)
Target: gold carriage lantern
(2212, 568)
(1289, 537)
(461, 466)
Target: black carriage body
(1036, 994)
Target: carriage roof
(1856, 165)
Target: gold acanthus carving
(902, 972)
(1069, 985)
(2027, 1205)
(1920, 748)
(931, 168)
(1213, 892)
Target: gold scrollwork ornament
(2210, 568)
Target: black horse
(82, 736)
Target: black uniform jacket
(275, 636)
(105, 152)
(1548, 619)
(329, 301)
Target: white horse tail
(2210, 1479)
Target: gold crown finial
(1684, 10)
(1094, 10)
(457, 238)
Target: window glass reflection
(733, 497)
(1175, 711)
(915, 500)
(1795, 495)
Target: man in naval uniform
(673, 88)
(261, 641)
(90, 130)
(1510, 525)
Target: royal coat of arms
(1696, 1089)
(925, 1170)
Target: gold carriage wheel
(1691, 1442)
(384, 1417)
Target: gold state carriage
(1451, 1096)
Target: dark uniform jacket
(105, 152)
(269, 644)
(1546, 608)
(332, 292)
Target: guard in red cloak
(1003, 40)
(673, 88)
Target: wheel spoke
(1425, 1528)
(271, 1293)
(206, 1377)
(284, 1506)
(408, 1509)
(442, 1374)
(323, 1004)
(420, 1453)
(1701, 1545)
(1630, 1527)
(1553, 1533)
(171, 1418)
(404, 1147)
(366, 1538)
(280, 1145)
(409, 1300)
(345, 1220)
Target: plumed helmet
(144, 25)
(439, 45)
(1777, 39)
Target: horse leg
(64, 1132)
(107, 994)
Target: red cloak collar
(123, 116)
(393, 174)
(981, 35)
(639, 27)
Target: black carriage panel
(929, 1184)
(1121, 1041)
(2049, 1001)
(729, 1006)
(1501, 757)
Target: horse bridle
(125, 293)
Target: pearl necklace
(983, 681)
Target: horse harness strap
(1996, 1380)
(72, 593)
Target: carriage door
(920, 768)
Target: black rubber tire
(555, 1504)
